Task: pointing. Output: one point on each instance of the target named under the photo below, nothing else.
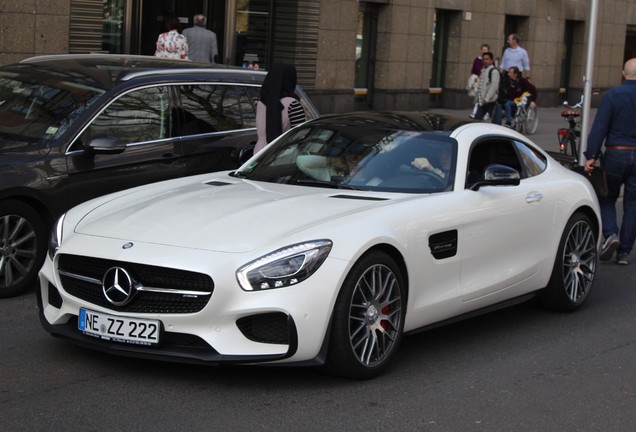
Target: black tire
(574, 266)
(22, 247)
(368, 318)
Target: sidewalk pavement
(550, 121)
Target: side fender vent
(444, 244)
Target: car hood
(219, 215)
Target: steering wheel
(437, 180)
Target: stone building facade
(351, 54)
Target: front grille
(78, 271)
(266, 328)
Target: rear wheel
(22, 247)
(573, 146)
(368, 318)
(574, 266)
(532, 120)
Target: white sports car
(326, 247)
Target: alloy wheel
(18, 247)
(579, 261)
(375, 315)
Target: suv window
(215, 107)
(138, 116)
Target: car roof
(107, 70)
(429, 121)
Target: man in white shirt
(202, 44)
(515, 55)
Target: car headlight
(285, 267)
(55, 238)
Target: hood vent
(357, 197)
(218, 183)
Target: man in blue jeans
(615, 124)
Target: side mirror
(498, 175)
(105, 145)
(244, 153)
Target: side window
(138, 116)
(214, 108)
(533, 161)
(491, 151)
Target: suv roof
(122, 67)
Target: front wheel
(368, 318)
(532, 120)
(574, 266)
(22, 246)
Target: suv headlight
(285, 267)
(55, 238)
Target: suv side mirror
(244, 153)
(498, 175)
(105, 145)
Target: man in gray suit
(202, 45)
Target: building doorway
(630, 43)
(446, 32)
(572, 61)
(151, 16)
(366, 38)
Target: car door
(217, 126)
(143, 121)
(505, 228)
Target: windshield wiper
(240, 174)
(327, 184)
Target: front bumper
(231, 328)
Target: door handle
(534, 197)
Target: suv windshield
(35, 111)
(367, 158)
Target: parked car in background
(326, 247)
(73, 127)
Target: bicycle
(569, 137)
(526, 119)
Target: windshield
(358, 157)
(34, 110)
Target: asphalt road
(519, 369)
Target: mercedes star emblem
(118, 286)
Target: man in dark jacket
(615, 124)
(201, 41)
(515, 87)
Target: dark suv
(73, 127)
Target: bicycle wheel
(532, 120)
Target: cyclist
(516, 85)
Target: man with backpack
(488, 88)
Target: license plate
(119, 329)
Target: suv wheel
(22, 247)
